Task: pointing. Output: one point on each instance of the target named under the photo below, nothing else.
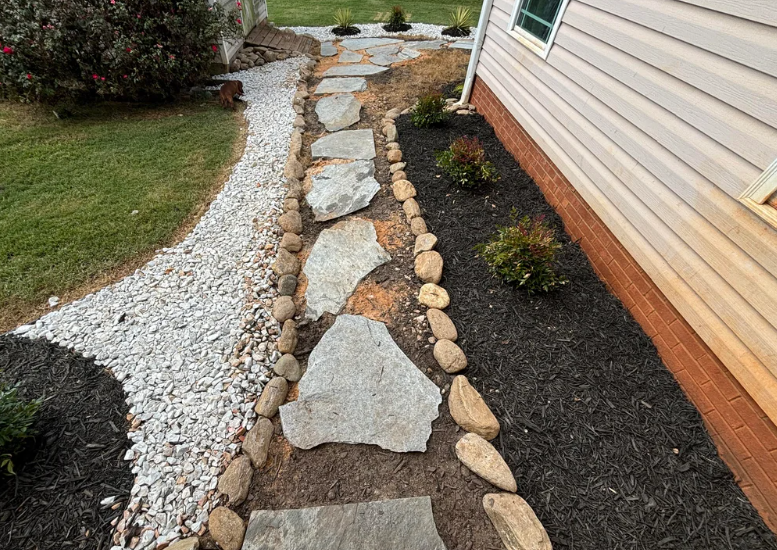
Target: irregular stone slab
(463, 45)
(384, 50)
(342, 188)
(345, 144)
(341, 257)
(328, 49)
(361, 69)
(361, 388)
(338, 111)
(425, 44)
(226, 528)
(405, 524)
(337, 85)
(481, 457)
(354, 44)
(385, 60)
(350, 57)
(236, 480)
(516, 522)
(470, 411)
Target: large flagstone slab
(350, 57)
(361, 388)
(328, 49)
(345, 144)
(341, 257)
(384, 50)
(400, 524)
(359, 69)
(425, 44)
(338, 111)
(354, 44)
(341, 85)
(463, 45)
(388, 59)
(342, 188)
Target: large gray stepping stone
(338, 85)
(354, 44)
(328, 49)
(463, 45)
(401, 524)
(341, 257)
(359, 69)
(361, 388)
(345, 144)
(425, 44)
(384, 50)
(350, 57)
(342, 188)
(387, 59)
(338, 111)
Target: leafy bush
(429, 111)
(465, 162)
(55, 50)
(344, 23)
(460, 22)
(524, 254)
(397, 20)
(16, 418)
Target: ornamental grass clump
(460, 22)
(524, 254)
(344, 25)
(397, 20)
(16, 419)
(429, 111)
(465, 163)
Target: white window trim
(527, 39)
(762, 189)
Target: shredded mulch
(76, 458)
(604, 444)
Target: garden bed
(76, 459)
(603, 443)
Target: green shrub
(344, 23)
(16, 418)
(524, 254)
(75, 50)
(397, 20)
(460, 22)
(429, 111)
(465, 162)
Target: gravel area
(190, 335)
(371, 30)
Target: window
(535, 23)
(761, 197)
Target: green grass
(320, 13)
(68, 189)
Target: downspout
(480, 37)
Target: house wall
(644, 125)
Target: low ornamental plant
(16, 419)
(465, 163)
(524, 254)
(344, 23)
(460, 22)
(429, 111)
(74, 50)
(397, 20)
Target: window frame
(531, 42)
(758, 194)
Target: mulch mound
(603, 442)
(76, 458)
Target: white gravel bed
(190, 335)
(371, 30)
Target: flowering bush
(465, 162)
(55, 50)
(524, 254)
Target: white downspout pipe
(480, 37)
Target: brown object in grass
(228, 92)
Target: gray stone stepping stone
(425, 44)
(463, 45)
(354, 44)
(328, 49)
(388, 59)
(384, 50)
(339, 85)
(358, 69)
(342, 188)
(338, 111)
(341, 257)
(400, 524)
(361, 388)
(345, 144)
(350, 57)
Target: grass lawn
(319, 13)
(68, 189)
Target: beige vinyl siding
(661, 113)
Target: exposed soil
(604, 444)
(76, 458)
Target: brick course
(746, 438)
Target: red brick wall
(746, 438)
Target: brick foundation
(746, 438)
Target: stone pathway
(345, 144)
(338, 111)
(342, 188)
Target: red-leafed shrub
(465, 162)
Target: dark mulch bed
(603, 442)
(76, 459)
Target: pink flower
(214, 48)
(95, 76)
(172, 56)
(129, 49)
(8, 50)
(239, 21)
(138, 16)
(239, 5)
(29, 76)
(113, 2)
(102, 78)
(125, 76)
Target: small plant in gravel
(460, 22)
(465, 163)
(524, 254)
(16, 418)
(429, 111)
(344, 23)
(397, 20)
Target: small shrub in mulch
(603, 442)
(429, 111)
(16, 418)
(465, 163)
(460, 22)
(397, 21)
(75, 458)
(344, 23)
